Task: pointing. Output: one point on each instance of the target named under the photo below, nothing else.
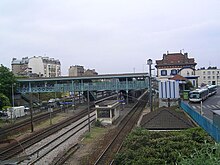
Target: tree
(4, 101)
(7, 79)
(189, 85)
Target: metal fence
(207, 125)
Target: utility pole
(31, 111)
(149, 62)
(12, 95)
(88, 109)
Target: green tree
(189, 85)
(7, 79)
(4, 101)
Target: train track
(25, 124)
(5, 132)
(107, 156)
(15, 148)
(45, 152)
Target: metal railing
(203, 122)
(87, 86)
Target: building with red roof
(174, 64)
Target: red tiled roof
(176, 59)
(178, 77)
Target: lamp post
(149, 62)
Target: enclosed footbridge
(113, 82)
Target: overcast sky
(110, 36)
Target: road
(208, 105)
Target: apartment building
(90, 72)
(208, 76)
(36, 67)
(78, 70)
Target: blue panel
(168, 89)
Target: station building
(174, 64)
(108, 111)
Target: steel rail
(64, 140)
(101, 159)
(15, 149)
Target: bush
(153, 147)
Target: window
(213, 77)
(208, 72)
(173, 72)
(103, 113)
(203, 72)
(204, 77)
(213, 72)
(163, 72)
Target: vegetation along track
(107, 156)
(16, 148)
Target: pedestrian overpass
(113, 82)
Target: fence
(207, 125)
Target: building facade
(172, 63)
(78, 70)
(36, 67)
(90, 72)
(20, 67)
(209, 76)
(190, 74)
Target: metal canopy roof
(105, 76)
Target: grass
(94, 134)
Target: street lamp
(149, 62)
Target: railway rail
(9, 130)
(16, 148)
(107, 156)
(25, 124)
(45, 152)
